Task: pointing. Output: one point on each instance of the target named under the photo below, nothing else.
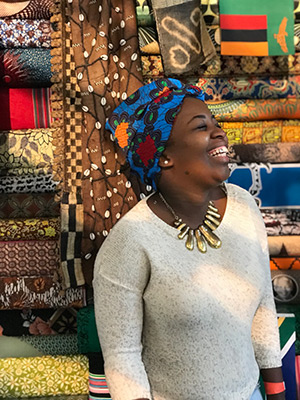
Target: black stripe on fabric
(100, 396)
(77, 244)
(72, 218)
(63, 245)
(246, 35)
(71, 272)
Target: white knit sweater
(176, 324)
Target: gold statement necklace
(203, 234)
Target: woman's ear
(165, 161)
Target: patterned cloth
(279, 263)
(30, 258)
(265, 153)
(42, 376)
(98, 389)
(142, 124)
(25, 33)
(152, 68)
(183, 38)
(281, 221)
(88, 341)
(228, 66)
(24, 108)
(272, 131)
(35, 9)
(29, 183)
(108, 69)
(217, 89)
(144, 13)
(41, 292)
(148, 40)
(25, 151)
(28, 205)
(25, 68)
(255, 110)
(36, 346)
(38, 322)
(284, 246)
(29, 229)
(261, 180)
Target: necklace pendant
(214, 214)
(201, 244)
(212, 219)
(183, 232)
(189, 244)
(212, 207)
(210, 237)
(210, 225)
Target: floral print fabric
(25, 151)
(29, 229)
(43, 376)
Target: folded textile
(280, 221)
(28, 205)
(25, 68)
(32, 9)
(271, 131)
(29, 229)
(250, 65)
(148, 40)
(29, 183)
(37, 346)
(98, 389)
(88, 341)
(36, 322)
(272, 185)
(265, 153)
(58, 397)
(144, 14)
(25, 33)
(152, 67)
(286, 286)
(217, 89)
(183, 38)
(245, 31)
(255, 110)
(279, 263)
(29, 258)
(25, 150)
(41, 292)
(42, 376)
(25, 108)
(284, 246)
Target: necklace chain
(203, 234)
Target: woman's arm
(273, 375)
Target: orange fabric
(279, 263)
(244, 48)
(274, 387)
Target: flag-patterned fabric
(256, 28)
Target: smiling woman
(183, 295)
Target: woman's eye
(202, 127)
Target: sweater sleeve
(121, 275)
(265, 333)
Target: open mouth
(219, 152)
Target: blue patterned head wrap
(142, 124)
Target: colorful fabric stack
(39, 354)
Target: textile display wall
(39, 354)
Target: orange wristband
(274, 387)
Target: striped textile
(98, 387)
(24, 108)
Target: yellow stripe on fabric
(244, 48)
(280, 321)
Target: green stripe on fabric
(287, 329)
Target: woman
(183, 295)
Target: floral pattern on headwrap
(142, 124)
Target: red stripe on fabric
(97, 382)
(228, 21)
(21, 109)
(35, 108)
(48, 108)
(5, 109)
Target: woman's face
(198, 146)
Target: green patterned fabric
(43, 376)
(88, 341)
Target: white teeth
(219, 152)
